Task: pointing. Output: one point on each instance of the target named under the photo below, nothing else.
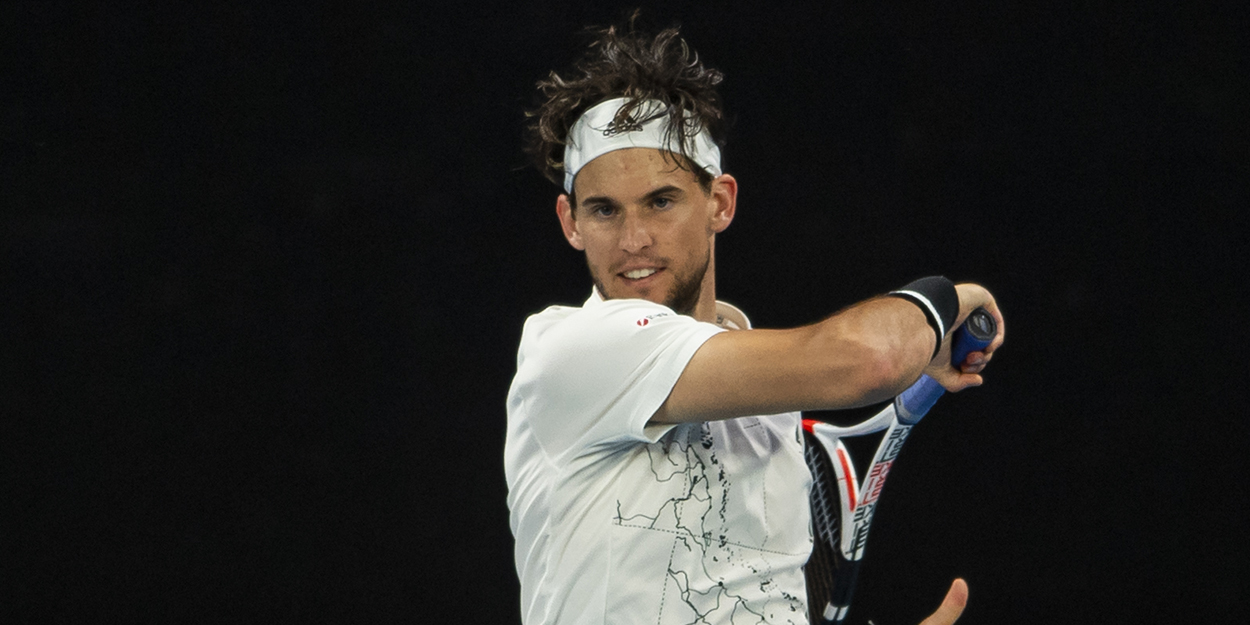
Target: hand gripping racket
(842, 508)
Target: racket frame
(858, 502)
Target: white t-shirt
(619, 521)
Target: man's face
(647, 227)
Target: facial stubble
(683, 297)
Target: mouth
(640, 277)
(639, 274)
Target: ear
(724, 198)
(564, 211)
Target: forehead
(631, 171)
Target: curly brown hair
(622, 62)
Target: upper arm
(598, 374)
(862, 355)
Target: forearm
(868, 352)
(863, 354)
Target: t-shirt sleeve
(596, 376)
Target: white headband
(595, 134)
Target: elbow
(877, 370)
(889, 371)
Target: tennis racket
(842, 507)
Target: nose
(635, 234)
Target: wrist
(938, 299)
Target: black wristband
(937, 298)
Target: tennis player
(654, 457)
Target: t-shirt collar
(728, 316)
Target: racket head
(830, 575)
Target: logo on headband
(629, 124)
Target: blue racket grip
(975, 334)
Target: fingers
(957, 378)
(973, 296)
(1002, 329)
(976, 362)
(952, 606)
(953, 380)
(968, 373)
(969, 380)
(991, 306)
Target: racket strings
(821, 568)
(824, 503)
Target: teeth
(639, 273)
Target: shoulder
(598, 322)
(613, 337)
(576, 366)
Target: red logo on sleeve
(642, 323)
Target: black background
(265, 270)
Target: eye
(603, 210)
(663, 202)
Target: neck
(705, 309)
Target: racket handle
(975, 334)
